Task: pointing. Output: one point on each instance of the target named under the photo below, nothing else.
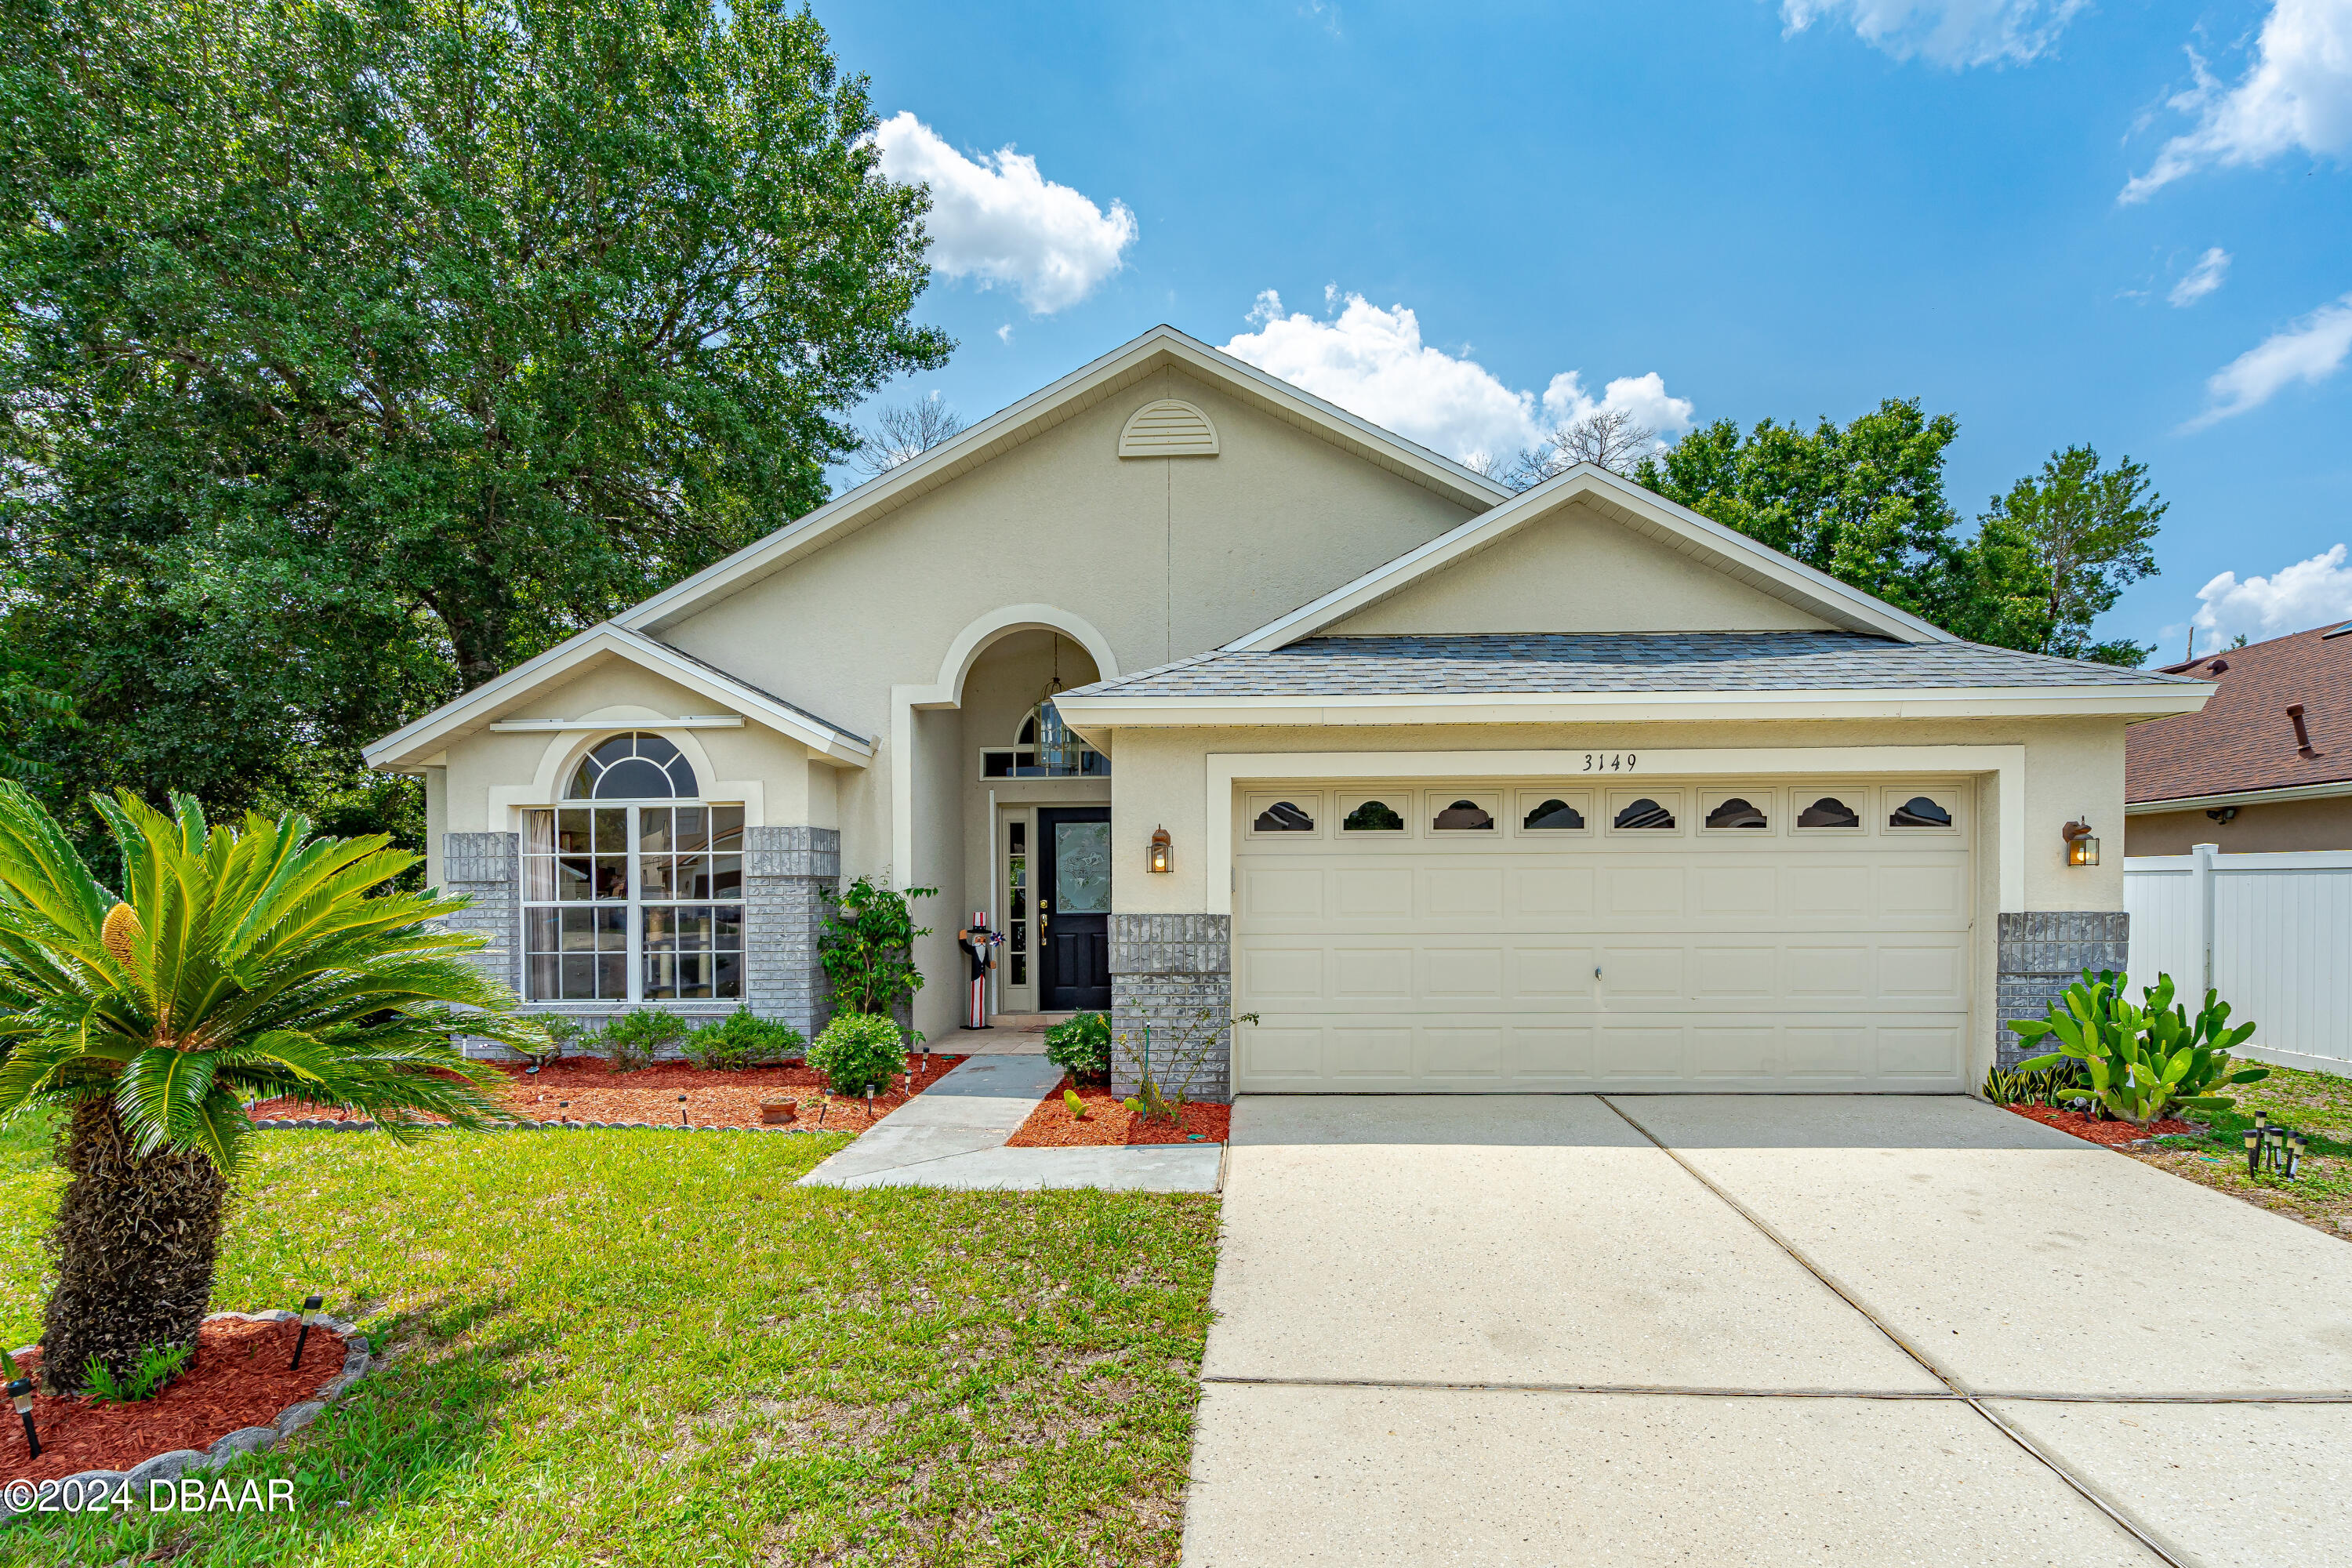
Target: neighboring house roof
(1385, 677)
(407, 747)
(1644, 512)
(2244, 741)
(1123, 367)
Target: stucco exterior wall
(2256, 830)
(1576, 571)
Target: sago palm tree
(234, 965)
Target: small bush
(634, 1039)
(742, 1040)
(158, 1364)
(1081, 1046)
(859, 1053)
(565, 1036)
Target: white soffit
(1709, 543)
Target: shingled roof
(1575, 663)
(2244, 738)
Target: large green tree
(2055, 553)
(358, 348)
(1864, 502)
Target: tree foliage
(232, 966)
(360, 349)
(1864, 502)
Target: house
(1460, 790)
(2266, 765)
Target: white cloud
(1373, 362)
(998, 219)
(2313, 593)
(1005, 334)
(2308, 351)
(1954, 32)
(2297, 94)
(2213, 269)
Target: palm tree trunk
(132, 1246)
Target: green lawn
(644, 1347)
(2317, 1103)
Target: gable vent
(1168, 428)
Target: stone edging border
(245, 1441)
(328, 1124)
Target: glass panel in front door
(1082, 867)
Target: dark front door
(1074, 909)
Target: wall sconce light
(2082, 849)
(1162, 856)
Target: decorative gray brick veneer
(484, 868)
(2042, 953)
(1164, 969)
(789, 874)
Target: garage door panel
(1637, 890)
(1815, 890)
(1282, 892)
(1550, 1055)
(1738, 890)
(1742, 973)
(1462, 973)
(1552, 974)
(1425, 962)
(1738, 1052)
(1546, 891)
(1460, 1056)
(1381, 893)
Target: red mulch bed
(1051, 1125)
(241, 1379)
(585, 1088)
(2111, 1133)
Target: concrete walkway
(1806, 1330)
(953, 1136)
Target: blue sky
(2126, 225)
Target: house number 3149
(1608, 761)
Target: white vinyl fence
(2272, 933)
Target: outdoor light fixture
(2082, 849)
(2253, 1151)
(2297, 1145)
(21, 1391)
(310, 1305)
(681, 1111)
(1161, 858)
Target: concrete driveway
(1862, 1329)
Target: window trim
(634, 926)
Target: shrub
(564, 1036)
(742, 1040)
(867, 947)
(1081, 1046)
(2141, 1060)
(634, 1039)
(158, 1364)
(859, 1053)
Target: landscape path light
(21, 1393)
(310, 1305)
(2253, 1151)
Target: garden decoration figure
(978, 944)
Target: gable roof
(2244, 741)
(453, 720)
(1707, 541)
(1083, 388)
(1540, 678)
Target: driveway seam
(2082, 1488)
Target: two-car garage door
(1655, 935)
